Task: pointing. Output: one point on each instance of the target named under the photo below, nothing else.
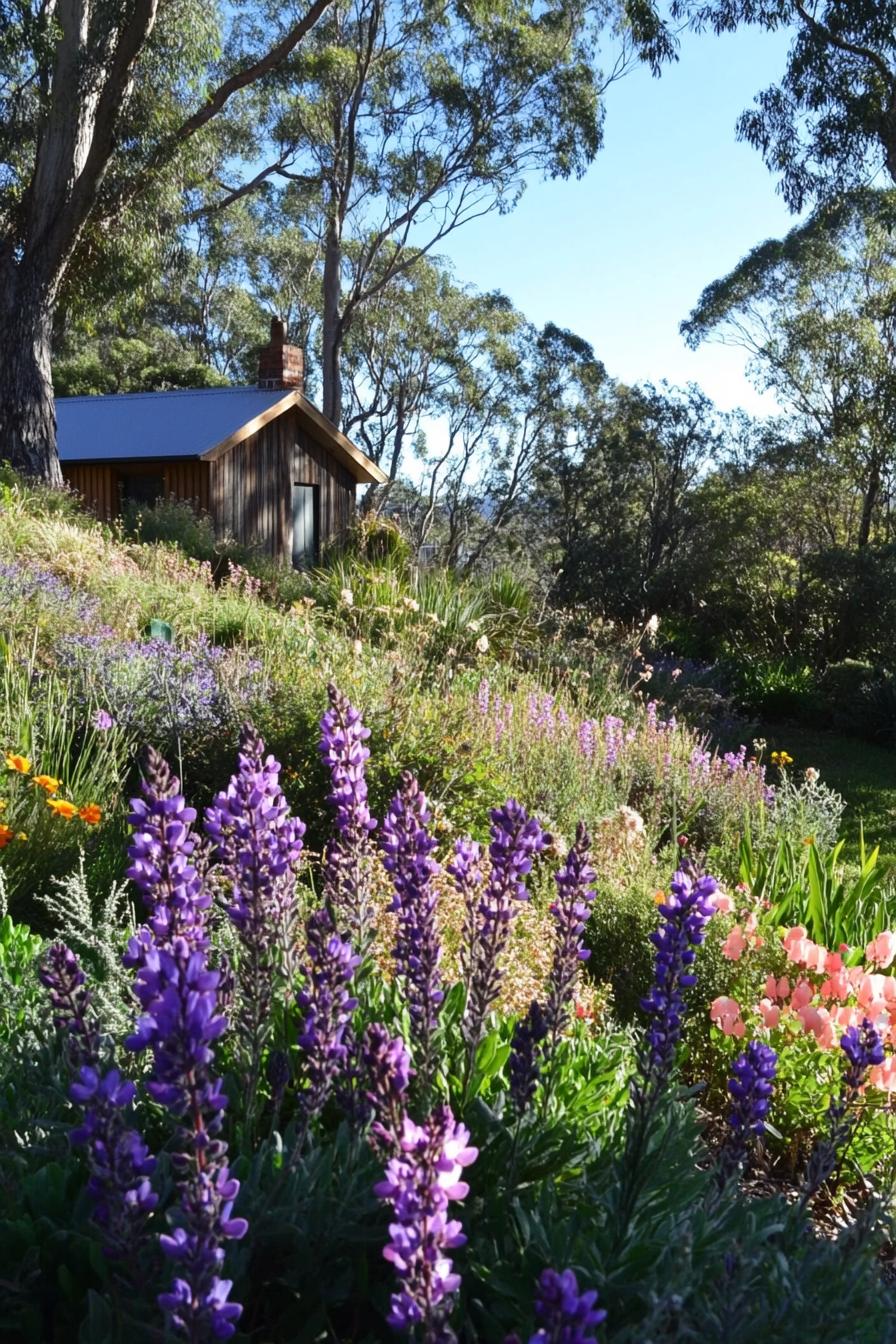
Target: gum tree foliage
(816, 311)
(106, 109)
(611, 501)
(399, 122)
(829, 123)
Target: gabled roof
(192, 422)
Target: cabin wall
(251, 487)
(100, 483)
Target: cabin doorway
(305, 525)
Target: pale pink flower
(725, 1012)
(882, 949)
(722, 902)
(735, 944)
(771, 1013)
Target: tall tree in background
(830, 122)
(817, 313)
(399, 122)
(97, 102)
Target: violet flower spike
(387, 1070)
(118, 1160)
(516, 838)
(685, 914)
(257, 844)
(863, 1050)
(407, 850)
(420, 1183)
(571, 909)
(327, 1008)
(161, 866)
(750, 1088)
(523, 1065)
(348, 855)
(566, 1315)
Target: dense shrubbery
(371, 996)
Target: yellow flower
(62, 808)
(2, 804)
(91, 814)
(48, 783)
(21, 764)
(5, 836)
(21, 836)
(809, 840)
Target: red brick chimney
(279, 364)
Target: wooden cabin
(268, 467)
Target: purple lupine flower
(483, 697)
(257, 843)
(586, 739)
(161, 865)
(181, 1018)
(863, 1049)
(523, 1064)
(565, 1315)
(407, 857)
(118, 1160)
(348, 854)
(420, 1182)
(327, 1008)
(685, 913)
(570, 910)
(516, 838)
(387, 1071)
(750, 1088)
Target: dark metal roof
(182, 423)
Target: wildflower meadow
(356, 991)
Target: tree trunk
(27, 412)
(872, 490)
(331, 335)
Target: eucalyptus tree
(401, 120)
(104, 104)
(816, 311)
(829, 124)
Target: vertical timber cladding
(100, 483)
(251, 487)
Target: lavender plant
(118, 1160)
(256, 845)
(516, 839)
(421, 1181)
(348, 856)
(179, 994)
(407, 857)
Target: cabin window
(305, 525)
(141, 488)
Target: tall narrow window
(305, 525)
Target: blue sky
(671, 202)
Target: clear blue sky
(671, 202)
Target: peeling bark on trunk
(331, 336)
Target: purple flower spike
(161, 865)
(750, 1088)
(407, 849)
(570, 910)
(566, 1316)
(420, 1182)
(523, 1066)
(348, 856)
(257, 844)
(118, 1160)
(327, 1005)
(516, 838)
(387, 1070)
(685, 914)
(864, 1050)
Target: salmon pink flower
(723, 902)
(735, 944)
(771, 1013)
(725, 1012)
(882, 949)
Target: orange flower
(21, 764)
(48, 783)
(659, 897)
(5, 836)
(62, 808)
(91, 814)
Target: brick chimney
(279, 364)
